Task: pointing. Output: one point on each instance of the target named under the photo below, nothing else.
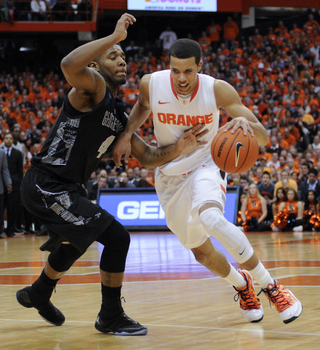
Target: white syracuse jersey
(173, 115)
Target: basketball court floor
(183, 305)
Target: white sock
(235, 278)
(261, 275)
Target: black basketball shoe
(29, 297)
(120, 325)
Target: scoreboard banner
(173, 5)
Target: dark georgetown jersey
(77, 140)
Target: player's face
(184, 74)
(113, 67)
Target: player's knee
(211, 216)
(116, 241)
(226, 233)
(115, 236)
(63, 257)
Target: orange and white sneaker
(288, 306)
(250, 305)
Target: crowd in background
(277, 76)
(45, 10)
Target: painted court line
(260, 330)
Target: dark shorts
(63, 207)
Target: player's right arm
(139, 114)
(85, 80)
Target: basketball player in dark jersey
(90, 121)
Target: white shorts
(181, 197)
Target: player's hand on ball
(237, 123)
(190, 140)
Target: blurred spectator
(304, 171)
(294, 208)
(62, 11)
(131, 177)
(230, 32)
(274, 145)
(144, 180)
(266, 189)
(122, 181)
(102, 183)
(131, 49)
(84, 10)
(312, 183)
(214, 30)
(92, 180)
(274, 162)
(38, 10)
(4, 11)
(112, 177)
(279, 198)
(254, 209)
(12, 200)
(204, 41)
(285, 182)
(168, 37)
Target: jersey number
(104, 146)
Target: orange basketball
(234, 153)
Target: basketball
(234, 153)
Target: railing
(61, 11)
(59, 15)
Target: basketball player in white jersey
(191, 188)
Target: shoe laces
(279, 296)
(247, 297)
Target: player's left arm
(228, 98)
(152, 157)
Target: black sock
(45, 285)
(111, 304)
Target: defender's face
(184, 74)
(112, 66)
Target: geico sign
(130, 210)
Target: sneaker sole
(140, 332)
(54, 324)
(256, 321)
(294, 317)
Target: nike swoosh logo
(242, 251)
(162, 103)
(238, 146)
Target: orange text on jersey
(186, 120)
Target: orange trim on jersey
(223, 189)
(195, 90)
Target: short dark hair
(186, 48)
(306, 164)
(244, 177)
(266, 173)
(313, 171)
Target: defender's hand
(190, 140)
(122, 25)
(122, 146)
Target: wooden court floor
(183, 305)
